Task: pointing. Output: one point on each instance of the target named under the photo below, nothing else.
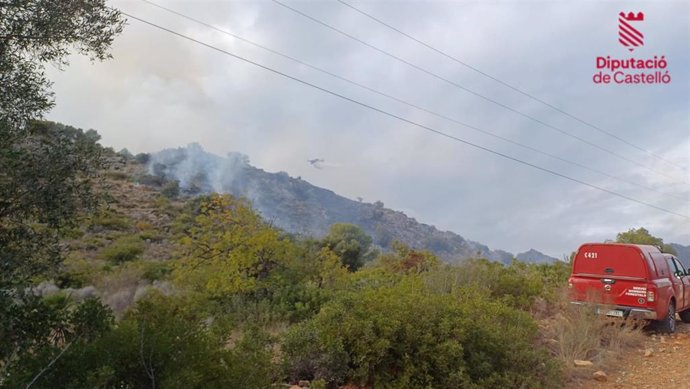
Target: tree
(46, 170)
(45, 181)
(350, 243)
(404, 259)
(227, 248)
(35, 32)
(642, 236)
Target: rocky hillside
(683, 253)
(534, 256)
(299, 207)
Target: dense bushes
(123, 249)
(517, 284)
(171, 189)
(407, 337)
(403, 320)
(44, 330)
(163, 343)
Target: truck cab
(629, 280)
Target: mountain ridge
(683, 253)
(302, 208)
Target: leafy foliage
(350, 243)
(228, 248)
(407, 260)
(171, 190)
(163, 343)
(46, 169)
(39, 331)
(108, 220)
(407, 337)
(45, 181)
(124, 249)
(517, 284)
(33, 32)
(642, 236)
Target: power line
(516, 89)
(477, 94)
(386, 113)
(384, 94)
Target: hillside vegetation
(202, 292)
(162, 289)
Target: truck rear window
(610, 261)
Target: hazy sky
(162, 91)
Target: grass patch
(116, 175)
(124, 249)
(110, 221)
(578, 333)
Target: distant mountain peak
(535, 256)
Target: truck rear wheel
(685, 316)
(668, 323)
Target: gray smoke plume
(299, 207)
(199, 171)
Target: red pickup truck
(631, 281)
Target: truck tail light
(650, 296)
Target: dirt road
(663, 362)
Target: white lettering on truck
(637, 291)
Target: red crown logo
(632, 17)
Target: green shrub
(151, 180)
(110, 221)
(317, 384)
(517, 284)
(124, 249)
(59, 325)
(70, 279)
(116, 175)
(554, 275)
(163, 340)
(406, 337)
(148, 231)
(72, 233)
(171, 189)
(78, 272)
(143, 158)
(153, 270)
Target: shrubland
(202, 292)
(246, 304)
(223, 299)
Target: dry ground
(662, 362)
